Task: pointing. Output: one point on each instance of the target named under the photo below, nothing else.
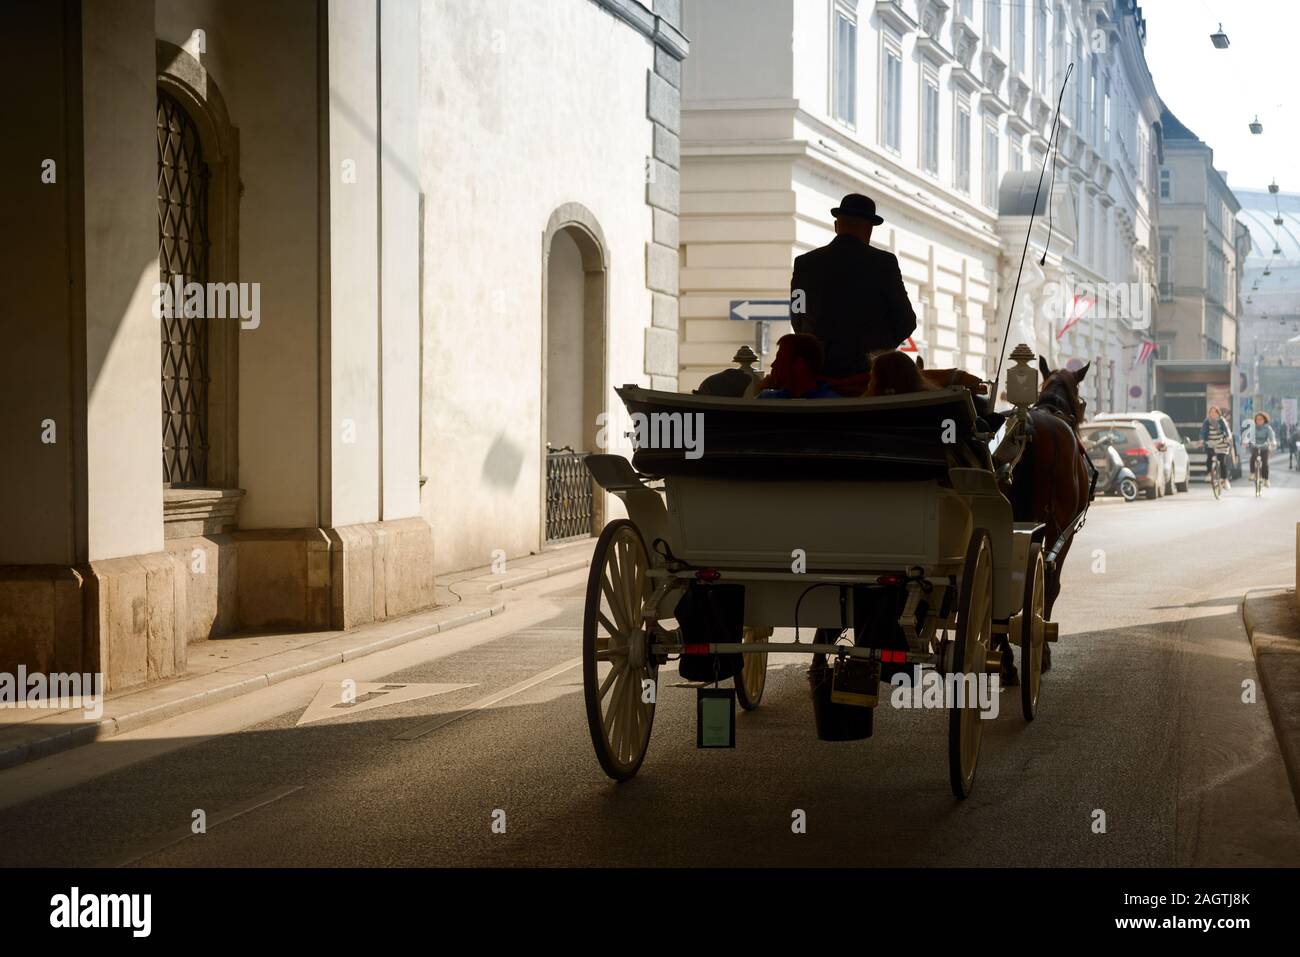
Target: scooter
(1114, 477)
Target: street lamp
(1219, 39)
(1257, 127)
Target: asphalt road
(1141, 719)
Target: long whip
(1056, 120)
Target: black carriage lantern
(1219, 38)
(1272, 187)
(1256, 126)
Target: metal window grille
(183, 248)
(569, 499)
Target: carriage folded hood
(917, 435)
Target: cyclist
(1261, 439)
(1217, 438)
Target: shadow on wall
(503, 463)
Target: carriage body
(822, 512)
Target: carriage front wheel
(753, 679)
(618, 674)
(969, 654)
(1033, 633)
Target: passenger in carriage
(850, 295)
(796, 370)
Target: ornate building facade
(942, 112)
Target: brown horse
(1051, 483)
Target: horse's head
(1060, 391)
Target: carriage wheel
(1032, 633)
(969, 654)
(615, 659)
(751, 682)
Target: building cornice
(645, 22)
(892, 14)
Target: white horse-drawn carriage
(876, 516)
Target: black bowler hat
(855, 204)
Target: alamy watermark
(927, 688)
(75, 909)
(655, 430)
(1068, 302)
(209, 300)
(60, 690)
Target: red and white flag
(1145, 351)
(1078, 309)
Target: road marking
(445, 719)
(368, 695)
(184, 832)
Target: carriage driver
(850, 294)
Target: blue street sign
(769, 309)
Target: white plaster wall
(740, 49)
(400, 248)
(524, 107)
(123, 363)
(351, 474)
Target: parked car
(1170, 445)
(1135, 447)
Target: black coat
(854, 302)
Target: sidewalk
(1274, 628)
(224, 668)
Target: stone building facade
(453, 227)
(1203, 251)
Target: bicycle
(1216, 480)
(1257, 470)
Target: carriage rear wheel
(1033, 634)
(618, 673)
(751, 682)
(969, 655)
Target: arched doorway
(574, 379)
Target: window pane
(844, 96)
(930, 128)
(892, 109)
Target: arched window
(198, 230)
(184, 247)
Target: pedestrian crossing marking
(331, 703)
